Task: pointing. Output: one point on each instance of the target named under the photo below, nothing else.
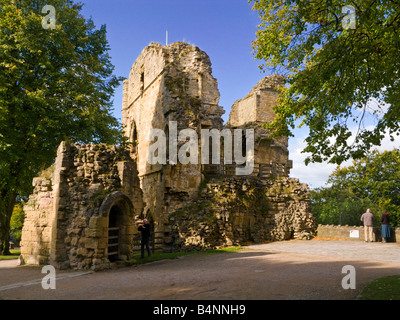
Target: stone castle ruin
(84, 210)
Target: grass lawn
(14, 255)
(154, 257)
(161, 256)
(386, 288)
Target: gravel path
(279, 270)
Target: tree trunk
(7, 202)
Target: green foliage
(55, 84)
(336, 77)
(13, 254)
(338, 207)
(386, 288)
(372, 182)
(16, 223)
(136, 260)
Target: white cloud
(317, 174)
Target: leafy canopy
(337, 76)
(371, 182)
(55, 84)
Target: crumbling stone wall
(37, 229)
(239, 210)
(67, 216)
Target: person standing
(385, 220)
(145, 230)
(368, 219)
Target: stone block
(91, 243)
(81, 252)
(98, 222)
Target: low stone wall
(343, 233)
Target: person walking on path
(368, 219)
(385, 220)
(145, 230)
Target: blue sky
(224, 29)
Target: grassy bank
(154, 257)
(386, 288)
(162, 256)
(14, 255)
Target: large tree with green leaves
(371, 182)
(56, 83)
(342, 62)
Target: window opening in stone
(209, 167)
(167, 144)
(142, 82)
(244, 149)
(134, 141)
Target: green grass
(14, 255)
(386, 288)
(162, 256)
(154, 257)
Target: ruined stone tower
(170, 83)
(84, 210)
(254, 110)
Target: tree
(372, 182)
(55, 84)
(16, 223)
(342, 63)
(338, 206)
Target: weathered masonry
(84, 210)
(90, 195)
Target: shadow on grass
(137, 260)
(15, 253)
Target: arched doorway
(118, 208)
(114, 222)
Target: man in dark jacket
(145, 230)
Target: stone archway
(118, 209)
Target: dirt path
(283, 270)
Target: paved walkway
(279, 270)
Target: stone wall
(68, 214)
(239, 211)
(37, 229)
(343, 233)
